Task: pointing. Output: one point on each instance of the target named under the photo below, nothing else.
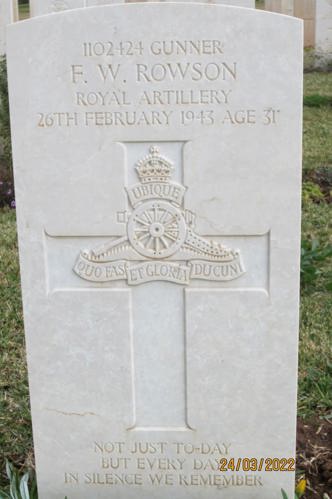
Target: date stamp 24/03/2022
(254, 464)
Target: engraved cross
(159, 251)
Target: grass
(15, 424)
(317, 126)
(316, 100)
(316, 302)
(317, 149)
(315, 361)
(24, 11)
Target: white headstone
(235, 3)
(8, 14)
(280, 6)
(157, 152)
(40, 7)
(304, 9)
(323, 31)
(16, 13)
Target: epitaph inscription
(159, 230)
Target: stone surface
(16, 14)
(303, 9)
(317, 17)
(40, 7)
(235, 3)
(280, 6)
(8, 14)
(323, 32)
(157, 168)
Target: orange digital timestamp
(254, 464)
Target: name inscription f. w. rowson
(200, 90)
(159, 229)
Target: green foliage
(317, 132)
(24, 10)
(320, 177)
(316, 387)
(316, 100)
(315, 367)
(24, 487)
(317, 83)
(317, 125)
(6, 172)
(311, 192)
(312, 257)
(315, 370)
(299, 490)
(15, 422)
(323, 177)
(285, 496)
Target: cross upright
(158, 256)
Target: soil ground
(314, 456)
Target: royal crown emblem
(160, 241)
(154, 168)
